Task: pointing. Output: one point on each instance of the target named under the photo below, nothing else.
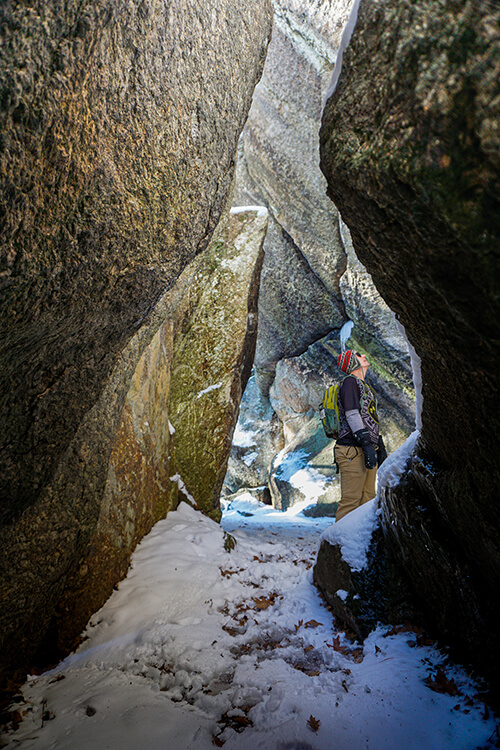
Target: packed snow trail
(218, 637)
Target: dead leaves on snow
(236, 719)
(356, 654)
(439, 683)
(314, 723)
(309, 624)
(263, 602)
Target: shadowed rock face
(409, 146)
(118, 129)
(119, 123)
(175, 430)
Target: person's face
(362, 359)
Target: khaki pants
(357, 483)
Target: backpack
(329, 409)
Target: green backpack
(329, 409)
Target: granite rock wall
(409, 146)
(118, 131)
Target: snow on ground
(218, 637)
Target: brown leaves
(309, 624)
(441, 684)
(314, 723)
(232, 631)
(313, 624)
(236, 719)
(263, 602)
(226, 573)
(356, 654)
(421, 640)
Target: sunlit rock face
(278, 164)
(214, 347)
(119, 126)
(409, 146)
(312, 281)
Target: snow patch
(210, 388)
(345, 333)
(243, 438)
(353, 534)
(260, 210)
(250, 458)
(195, 637)
(294, 468)
(182, 488)
(396, 463)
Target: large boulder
(409, 146)
(214, 348)
(119, 126)
(278, 165)
(174, 435)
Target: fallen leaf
(299, 625)
(308, 648)
(314, 723)
(406, 628)
(441, 684)
(262, 602)
(313, 673)
(357, 655)
(313, 624)
(217, 742)
(244, 721)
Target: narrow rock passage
(219, 638)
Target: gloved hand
(363, 438)
(381, 451)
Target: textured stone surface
(278, 165)
(295, 307)
(258, 439)
(154, 441)
(214, 347)
(375, 327)
(312, 281)
(119, 124)
(410, 146)
(376, 594)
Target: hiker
(360, 448)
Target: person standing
(359, 449)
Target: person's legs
(369, 490)
(353, 473)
